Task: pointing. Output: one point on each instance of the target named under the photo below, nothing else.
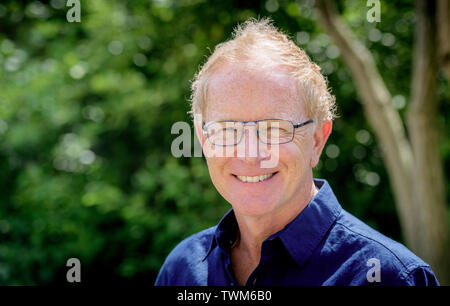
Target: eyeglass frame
(298, 125)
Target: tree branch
(443, 28)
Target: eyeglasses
(269, 131)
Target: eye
(278, 130)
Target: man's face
(236, 93)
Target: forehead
(237, 92)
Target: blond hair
(259, 44)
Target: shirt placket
(268, 251)
(229, 270)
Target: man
(262, 100)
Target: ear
(321, 134)
(199, 132)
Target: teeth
(254, 179)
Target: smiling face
(238, 93)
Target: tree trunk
(414, 168)
(424, 135)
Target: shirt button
(231, 284)
(254, 281)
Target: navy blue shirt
(323, 245)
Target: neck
(254, 230)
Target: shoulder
(184, 265)
(368, 248)
(196, 244)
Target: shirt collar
(301, 236)
(225, 233)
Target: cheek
(211, 152)
(217, 167)
(214, 163)
(304, 146)
(297, 156)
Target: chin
(257, 205)
(251, 198)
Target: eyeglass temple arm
(304, 123)
(295, 125)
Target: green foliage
(86, 111)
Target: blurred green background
(86, 111)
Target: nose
(250, 149)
